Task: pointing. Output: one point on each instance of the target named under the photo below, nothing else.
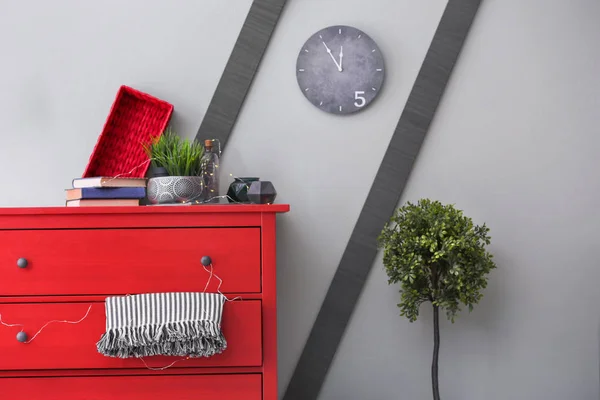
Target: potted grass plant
(177, 167)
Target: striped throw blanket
(172, 324)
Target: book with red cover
(102, 202)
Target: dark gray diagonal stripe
(239, 72)
(382, 200)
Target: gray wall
(513, 144)
(63, 61)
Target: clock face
(340, 69)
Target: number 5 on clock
(361, 100)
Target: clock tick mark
(306, 90)
(321, 103)
(320, 37)
(373, 51)
(301, 70)
(306, 50)
(340, 108)
(379, 69)
(340, 31)
(359, 36)
(373, 88)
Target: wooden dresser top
(139, 216)
(162, 209)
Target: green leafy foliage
(178, 156)
(436, 254)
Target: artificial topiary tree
(437, 255)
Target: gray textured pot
(174, 189)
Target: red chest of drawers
(61, 263)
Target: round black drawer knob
(22, 262)
(206, 261)
(22, 337)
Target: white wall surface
(514, 145)
(63, 61)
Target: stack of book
(106, 191)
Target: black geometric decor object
(262, 192)
(384, 195)
(238, 190)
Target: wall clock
(340, 69)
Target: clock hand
(333, 58)
(341, 56)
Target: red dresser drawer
(174, 387)
(73, 346)
(128, 261)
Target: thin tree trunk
(436, 353)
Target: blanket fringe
(192, 339)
